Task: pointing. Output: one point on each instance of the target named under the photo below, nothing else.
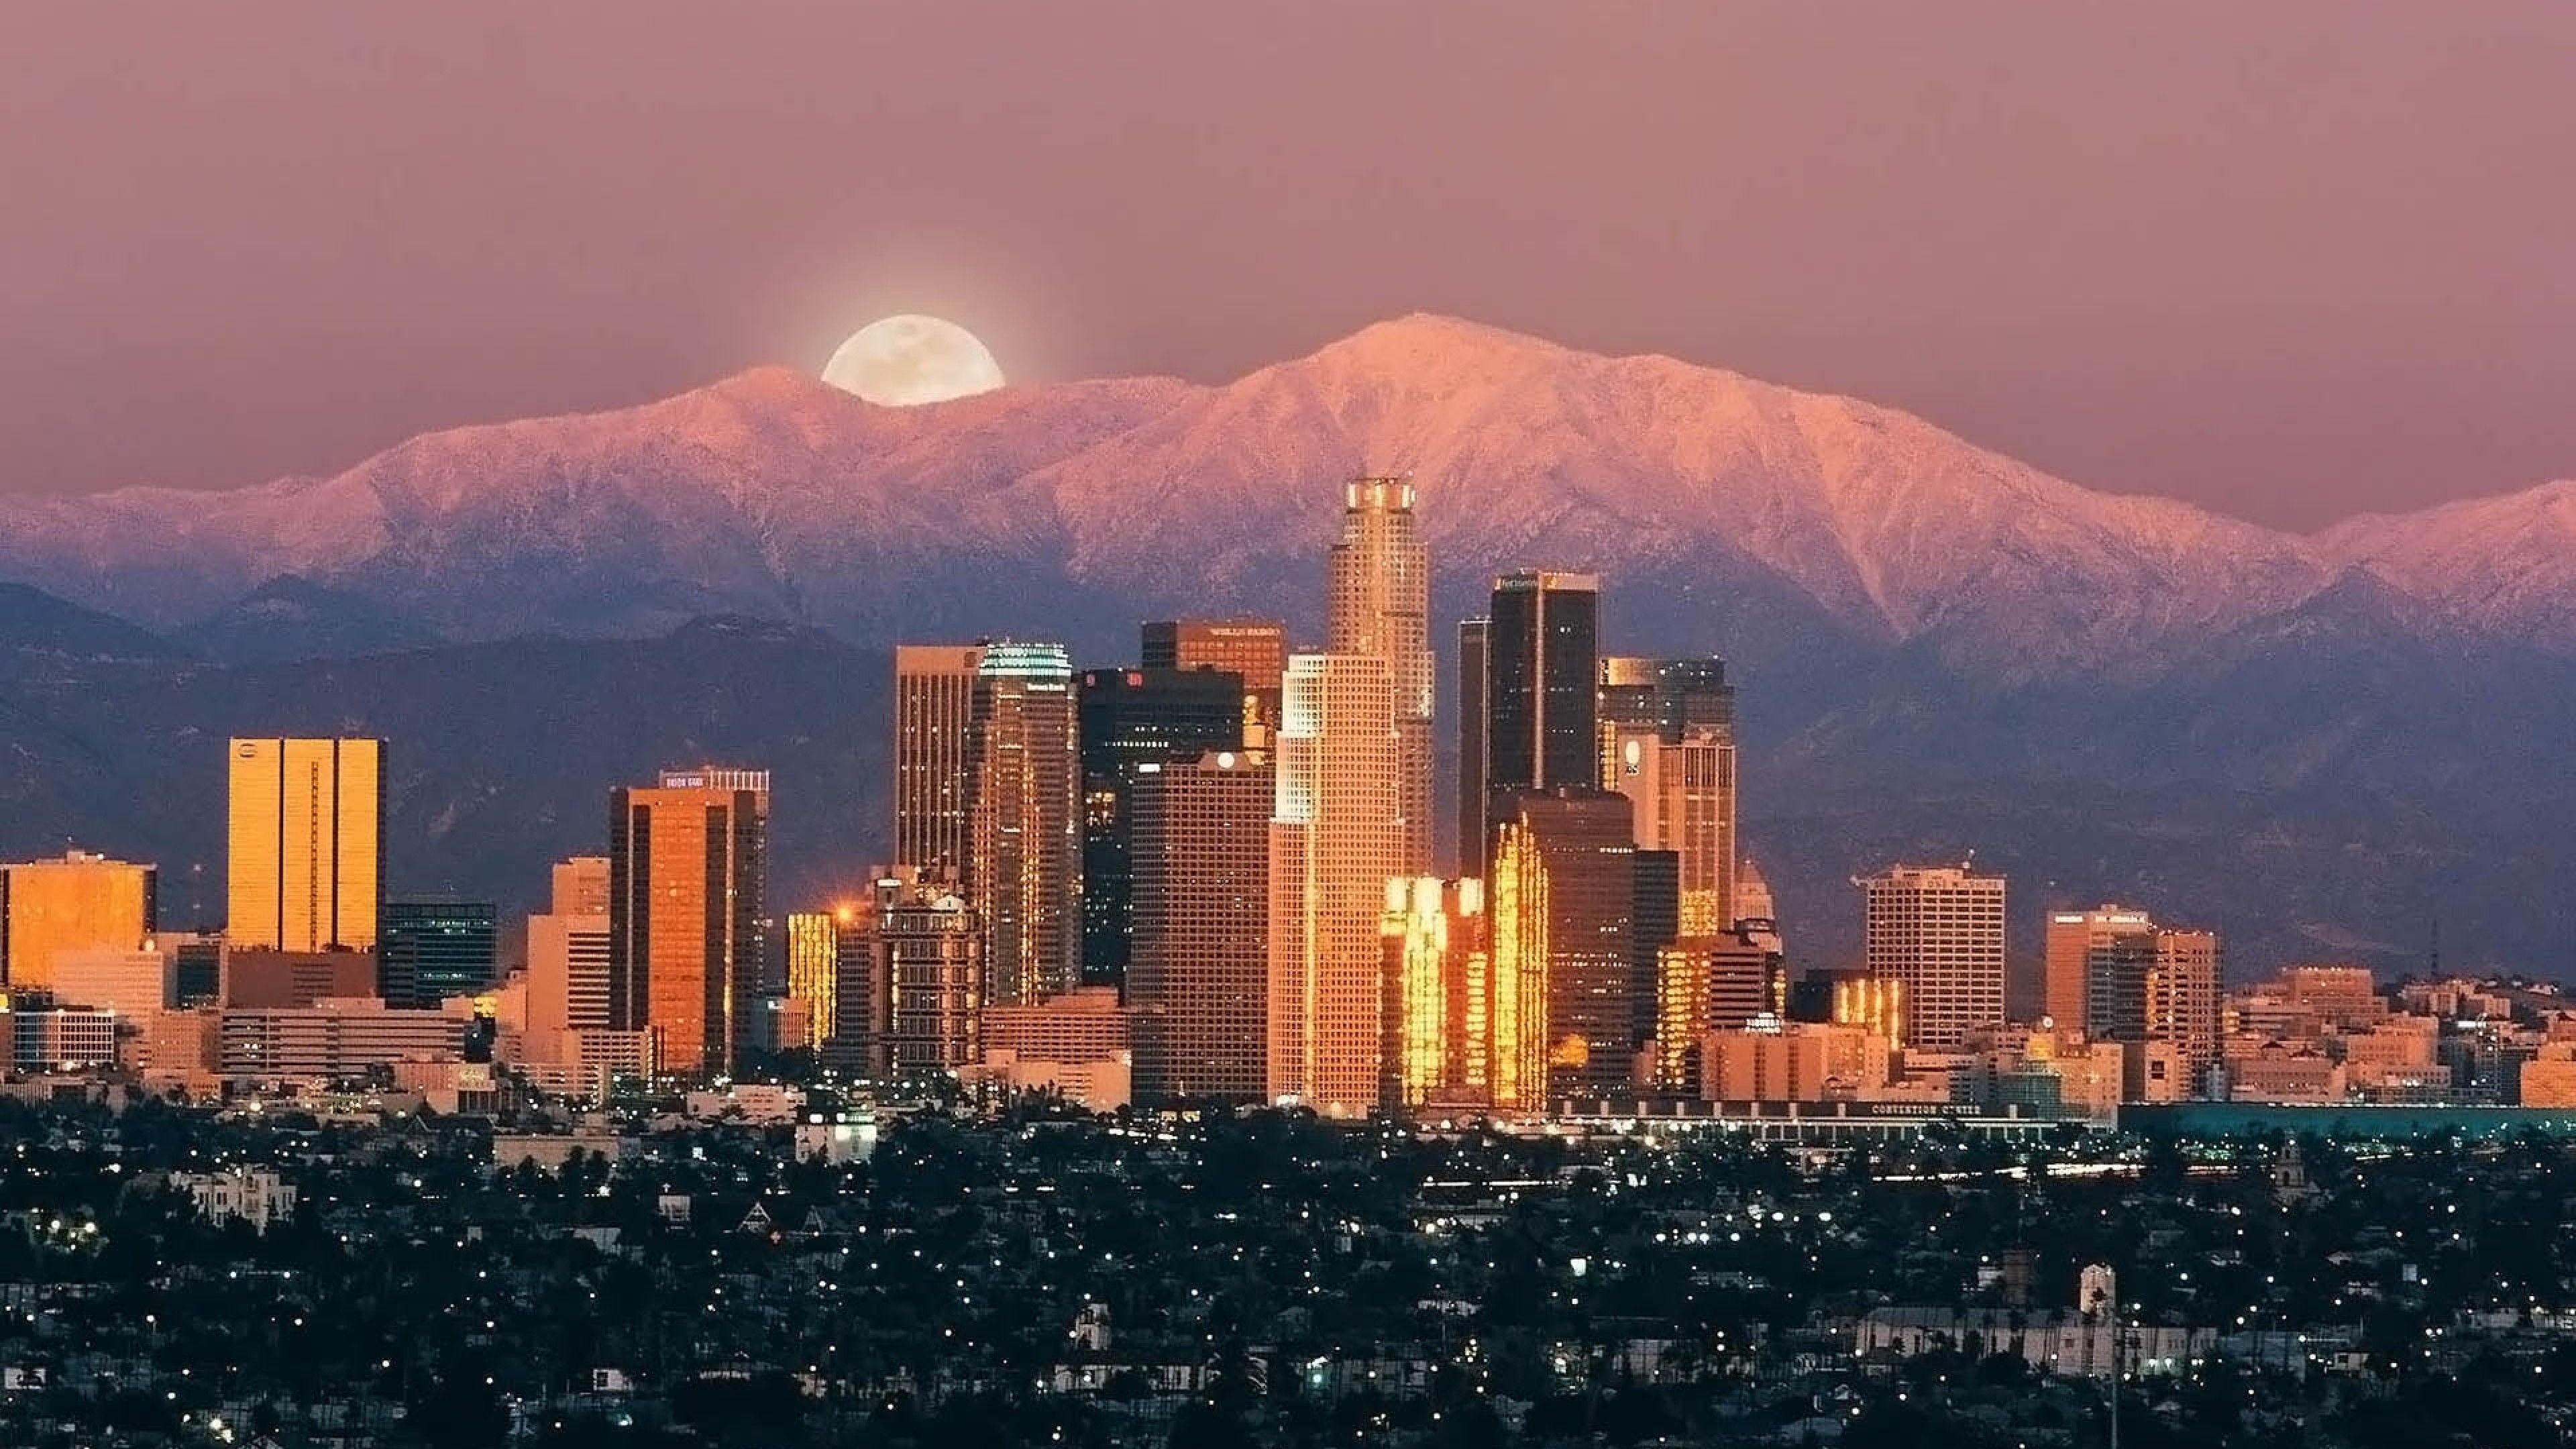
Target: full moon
(902, 360)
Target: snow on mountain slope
(771, 494)
(2504, 565)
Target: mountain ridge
(768, 492)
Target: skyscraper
(1938, 931)
(1257, 649)
(813, 976)
(687, 887)
(432, 949)
(568, 960)
(1338, 834)
(1023, 872)
(934, 711)
(927, 956)
(1710, 983)
(1469, 806)
(2078, 945)
(2182, 996)
(1542, 652)
(1564, 903)
(306, 851)
(1438, 1013)
(1132, 720)
(76, 902)
(1378, 604)
(1196, 975)
(1667, 742)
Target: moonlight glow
(899, 361)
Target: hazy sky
(2292, 259)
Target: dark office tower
(1667, 742)
(1565, 894)
(687, 885)
(1257, 649)
(1655, 913)
(429, 950)
(1132, 720)
(1023, 874)
(1197, 975)
(1471, 800)
(1542, 664)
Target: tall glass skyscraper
(1024, 849)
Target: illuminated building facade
(1939, 930)
(1378, 604)
(305, 853)
(687, 895)
(1337, 836)
(1023, 874)
(1667, 742)
(1439, 995)
(814, 976)
(1705, 984)
(1571, 900)
(1197, 974)
(1131, 720)
(1875, 1003)
(76, 902)
(934, 712)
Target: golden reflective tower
(305, 864)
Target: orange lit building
(688, 870)
(1337, 836)
(77, 902)
(305, 854)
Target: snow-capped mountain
(1765, 514)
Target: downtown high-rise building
(1565, 905)
(917, 1013)
(1023, 874)
(1468, 806)
(1256, 649)
(934, 716)
(431, 950)
(688, 878)
(568, 960)
(1938, 933)
(1723, 982)
(1132, 721)
(1667, 742)
(1541, 697)
(1378, 605)
(2135, 982)
(1197, 972)
(305, 848)
(2111, 941)
(813, 976)
(1338, 834)
(74, 902)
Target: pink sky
(2293, 260)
